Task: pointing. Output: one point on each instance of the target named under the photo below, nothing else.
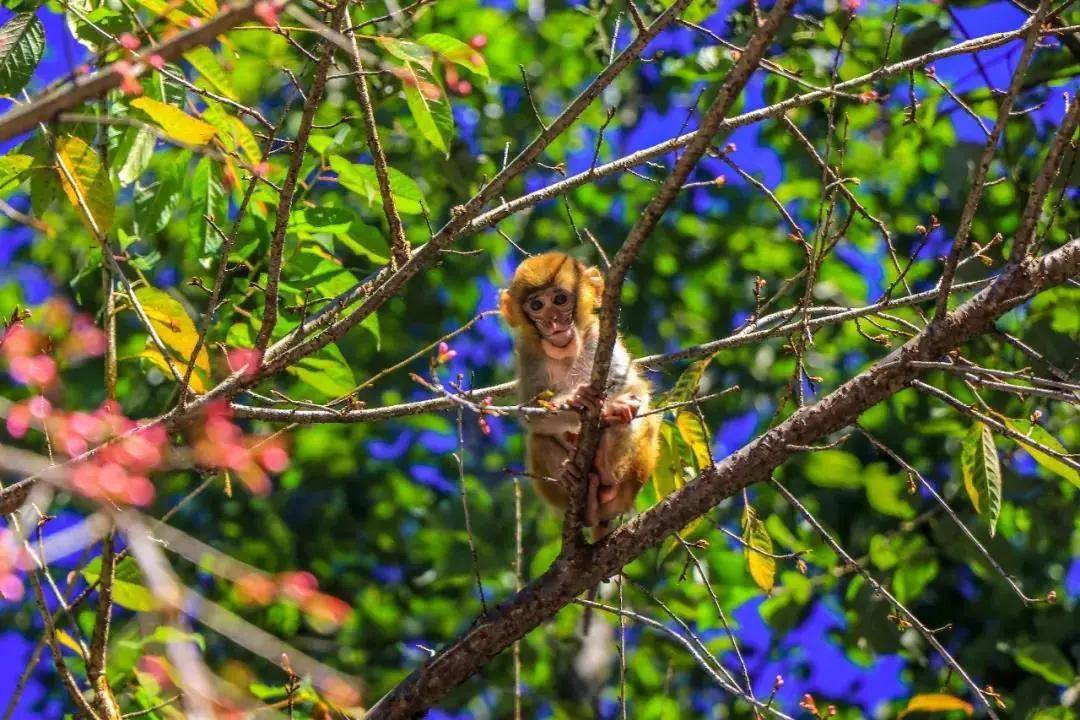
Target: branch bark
(571, 575)
(635, 239)
(24, 117)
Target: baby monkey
(551, 304)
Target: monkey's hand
(585, 398)
(620, 411)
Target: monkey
(551, 306)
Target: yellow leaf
(208, 8)
(85, 183)
(693, 432)
(1039, 434)
(758, 547)
(163, 8)
(176, 123)
(197, 383)
(936, 702)
(177, 332)
(68, 642)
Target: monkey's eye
(536, 304)
(560, 299)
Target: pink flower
(18, 421)
(327, 609)
(156, 61)
(445, 354)
(37, 370)
(11, 586)
(273, 458)
(129, 78)
(298, 585)
(130, 42)
(247, 359)
(267, 12)
(255, 589)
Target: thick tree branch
(24, 117)
(978, 180)
(635, 239)
(288, 188)
(571, 575)
(399, 246)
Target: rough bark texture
(573, 574)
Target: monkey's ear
(506, 307)
(596, 279)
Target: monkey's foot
(620, 411)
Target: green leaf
(756, 543)
(1046, 661)
(85, 183)
(12, 169)
(128, 588)
(163, 8)
(321, 219)
(457, 52)
(207, 65)
(686, 386)
(22, 43)
(177, 333)
(1040, 435)
(176, 123)
(327, 372)
(428, 105)
(406, 51)
(834, 469)
(233, 128)
(361, 180)
(154, 204)
(935, 703)
(982, 473)
(207, 199)
(695, 435)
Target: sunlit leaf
(361, 180)
(206, 63)
(686, 386)
(1046, 661)
(758, 547)
(1040, 435)
(428, 104)
(128, 588)
(167, 9)
(67, 641)
(208, 199)
(234, 129)
(85, 183)
(154, 204)
(406, 51)
(12, 169)
(455, 51)
(694, 433)
(982, 473)
(935, 703)
(177, 333)
(327, 372)
(22, 43)
(176, 123)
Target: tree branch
(24, 117)
(571, 575)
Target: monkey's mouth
(561, 338)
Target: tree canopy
(262, 453)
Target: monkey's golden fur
(628, 446)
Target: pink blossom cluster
(12, 559)
(299, 587)
(115, 454)
(60, 334)
(219, 442)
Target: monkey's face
(551, 311)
